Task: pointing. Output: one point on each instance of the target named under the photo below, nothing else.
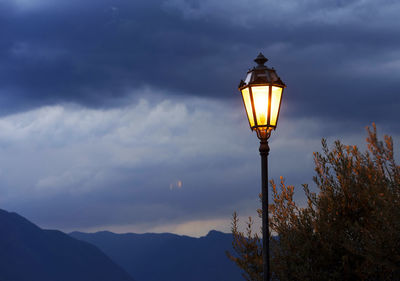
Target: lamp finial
(260, 59)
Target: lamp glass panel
(247, 104)
(260, 98)
(275, 101)
(248, 77)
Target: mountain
(29, 253)
(168, 257)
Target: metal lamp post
(262, 94)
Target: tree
(349, 230)
(249, 250)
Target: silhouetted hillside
(169, 257)
(28, 253)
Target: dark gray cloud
(336, 57)
(92, 53)
(106, 105)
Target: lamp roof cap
(261, 74)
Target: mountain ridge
(28, 253)
(168, 256)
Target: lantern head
(262, 94)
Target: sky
(124, 115)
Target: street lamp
(262, 94)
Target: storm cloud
(344, 54)
(125, 114)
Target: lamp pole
(264, 151)
(262, 95)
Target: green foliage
(350, 230)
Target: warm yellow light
(275, 102)
(260, 97)
(247, 104)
